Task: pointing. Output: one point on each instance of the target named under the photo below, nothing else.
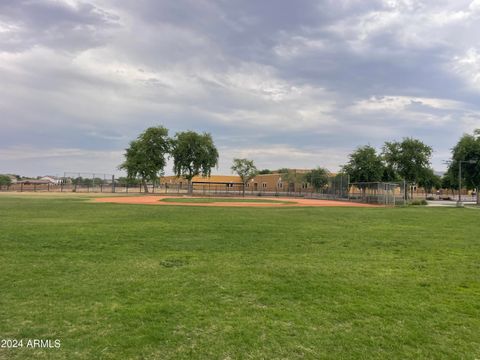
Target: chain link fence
(337, 188)
(382, 193)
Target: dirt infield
(289, 202)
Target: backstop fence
(382, 193)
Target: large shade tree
(429, 181)
(145, 158)
(245, 169)
(466, 153)
(409, 158)
(448, 181)
(193, 154)
(318, 178)
(364, 165)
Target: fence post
(113, 183)
(348, 187)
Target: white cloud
(474, 6)
(467, 66)
(401, 103)
(283, 155)
(289, 47)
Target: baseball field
(131, 281)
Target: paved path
(447, 203)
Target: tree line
(407, 160)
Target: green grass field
(118, 281)
(207, 200)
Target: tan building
(275, 182)
(221, 179)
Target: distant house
(13, 178)
(33, 182)
(214, 179)
(51, 179)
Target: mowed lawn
(116, 281)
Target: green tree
(364, 165)
(265, 172)
(318, 178)
(244, 168)
(467, 149)
(145, 158)
(193, 154)
(410, 159)
(5, 180)
(77, 181)
(292, 177)
(429, 181)
(448, 181)
(87, 182)
(125, 181)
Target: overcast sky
(285, 83)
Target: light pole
(459, 202)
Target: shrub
(418, 202)
(430, 198)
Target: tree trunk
(243, 190)
(478, 196)
(145, 187)
(190, 188)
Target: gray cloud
(59, 25)
(286, 83)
